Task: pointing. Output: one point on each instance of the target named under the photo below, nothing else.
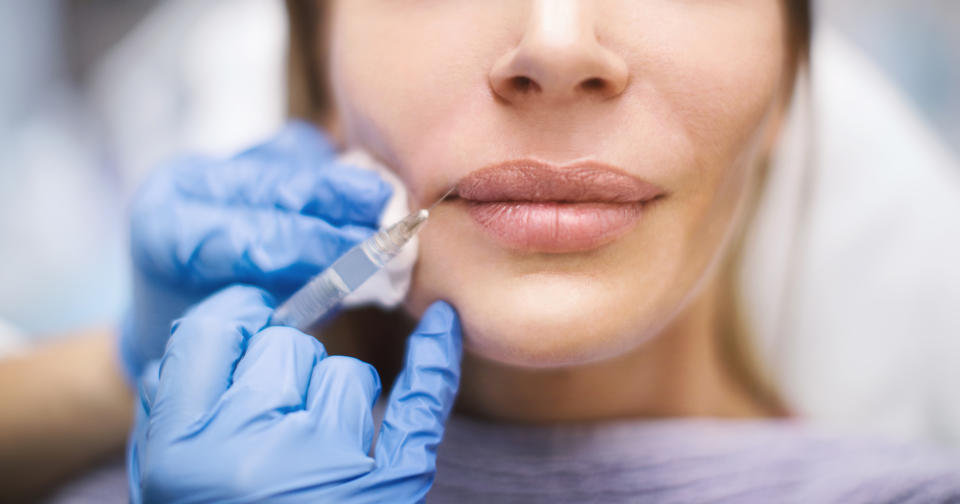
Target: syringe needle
(448, 193)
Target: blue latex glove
(241, 413)
(273, 216)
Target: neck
(680, 372)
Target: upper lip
(538, 181)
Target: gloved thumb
(422, 398)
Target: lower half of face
(412, 85)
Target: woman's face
(601, 151)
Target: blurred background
(916, 43)
(97, 92)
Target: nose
(559, 58)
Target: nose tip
(541, 71)
(559, 58)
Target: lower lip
(555, 227)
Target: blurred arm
(63, 407)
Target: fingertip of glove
(301, 133)
(291, 338)
(243, 293)
(235, 302)
(298, 138)
(439, 318)
(366, 182)
(441, 321)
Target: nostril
(594, 84)
(524, 84)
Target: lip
(540, 207)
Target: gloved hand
(236, 412)
(273, 216)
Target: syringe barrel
(312, 301)
(325, 291)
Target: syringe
(325, 291)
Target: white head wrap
(852, 268)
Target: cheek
(713, 87)
(702, 79)
(407, 109)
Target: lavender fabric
(668, 461)
(685, 461)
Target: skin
(689, 98)
(67, 407)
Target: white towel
(389, 286)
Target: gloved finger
(276, 369)
(340, 194)
(147, 385)
(136, 446)
(296, 138)
(265, 247)
(206, 344)
(295, 171)
(422, 396)
(341, 396)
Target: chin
(542, 320)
